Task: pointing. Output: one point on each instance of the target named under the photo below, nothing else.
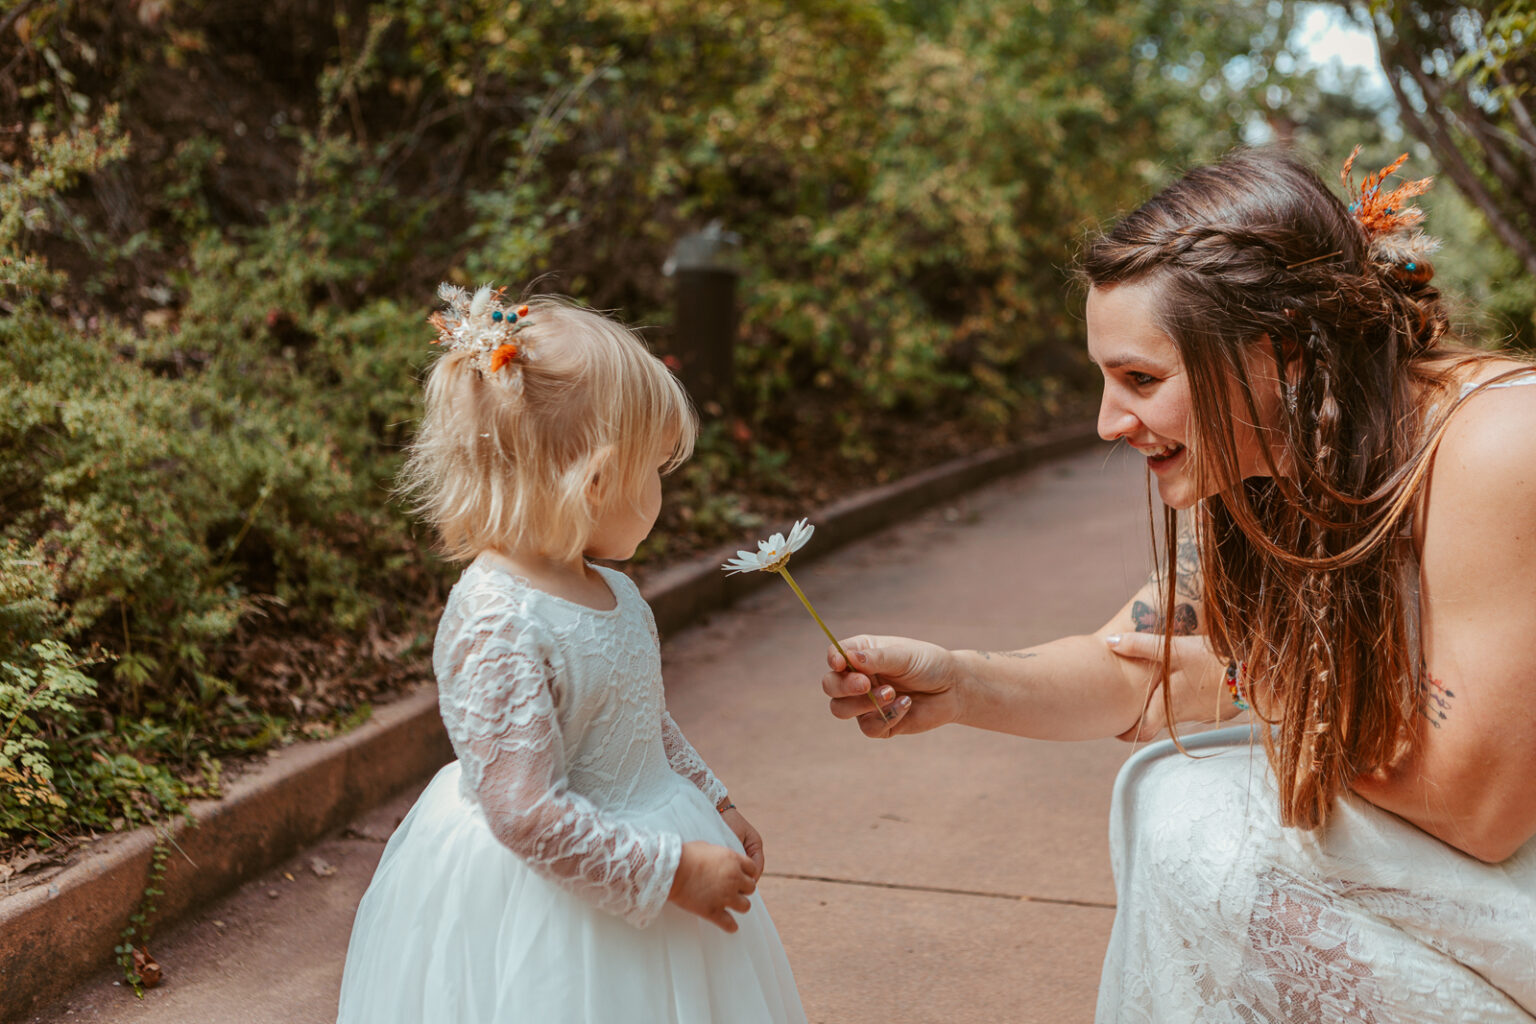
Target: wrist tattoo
(989, 655)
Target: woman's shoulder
(1492, 426)
(1482, 484)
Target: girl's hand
(914, 681)
(711, 881)
(1197, 681)
(751, 841)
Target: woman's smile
(1165, 457)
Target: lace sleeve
(687, 762)
(497, 685)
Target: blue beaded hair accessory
(484, 326)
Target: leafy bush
(253, 203)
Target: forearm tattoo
(1150, 620)
(989, 655)
(1437, 698)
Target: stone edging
(55, 935)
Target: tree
(1464, 77)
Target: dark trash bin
(704, 266)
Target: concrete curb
(53, 936)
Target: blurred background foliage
(221, 224)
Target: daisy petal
(773, 553)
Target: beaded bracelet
(1235, 673)
(724, 805)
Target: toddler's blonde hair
(501, 468)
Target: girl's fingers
(755, 855)
(723, 920)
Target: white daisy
(773, 556)
(773, 553)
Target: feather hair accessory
(1390, 220)
(483, 325)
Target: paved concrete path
(954, 877)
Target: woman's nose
(1115, 421)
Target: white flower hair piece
(485, 326)
(773, 553)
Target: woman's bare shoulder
(1495, 427)
(1482, 492)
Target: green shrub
(203, 419)
(39, 697)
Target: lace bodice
(557, 714)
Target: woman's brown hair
(1308, 578)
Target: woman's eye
(1141, 380)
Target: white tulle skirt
(455, 929)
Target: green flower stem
(783, 570)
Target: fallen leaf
(145, 966)
(321, 867)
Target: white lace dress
(529, 882)
(1225, 917)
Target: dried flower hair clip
(484, 326)
(1390, 221)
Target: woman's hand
(915, 682)
(751, 841)
(711, 881)
(1197, 680)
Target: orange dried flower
(503, 355)
(1380, 212)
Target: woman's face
(1146, 399)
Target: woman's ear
(1276, 358)
(1288, 354)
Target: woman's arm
(1468, 781)
(1072, 688)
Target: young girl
(578, 862)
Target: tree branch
(1399, 60)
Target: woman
(1351, 549)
